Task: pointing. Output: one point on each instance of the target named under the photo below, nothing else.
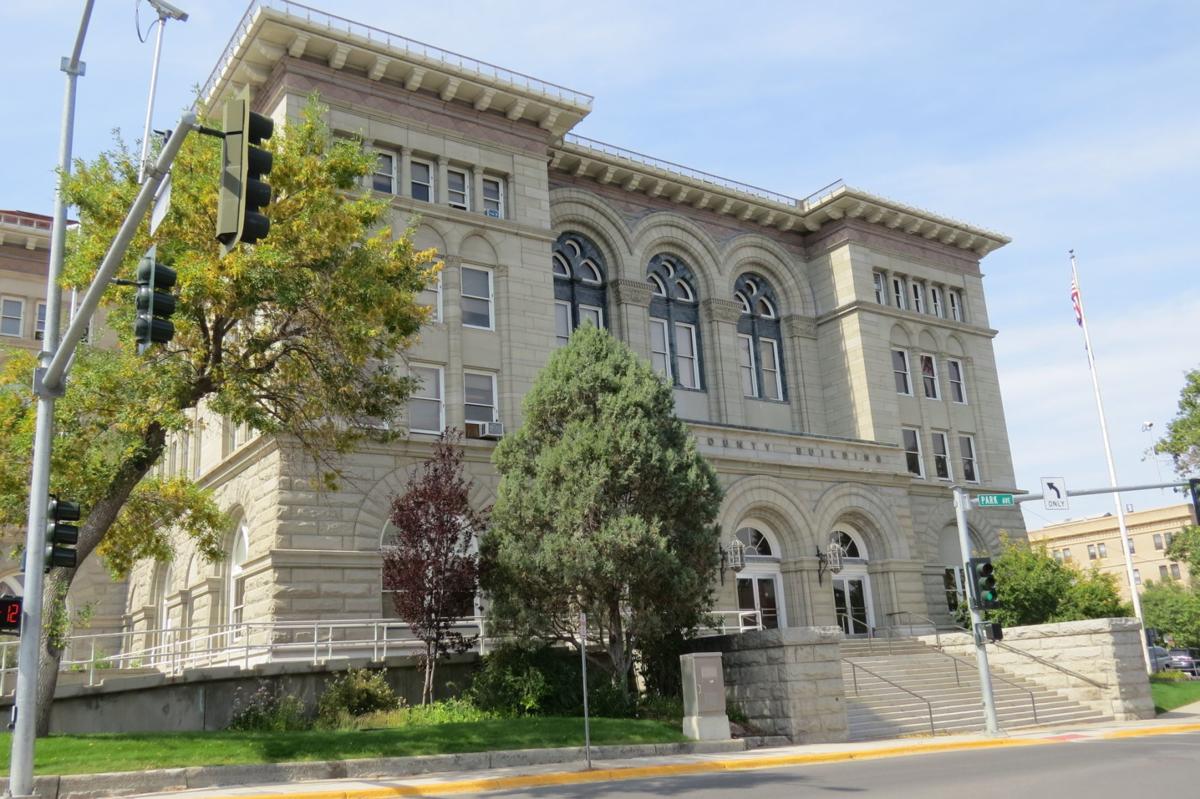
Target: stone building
(833, 354)
(1096, 543)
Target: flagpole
(1077, 296)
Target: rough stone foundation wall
(1107, 651)
(787, 682)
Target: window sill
(477, 327)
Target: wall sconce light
(830, 560)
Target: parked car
(1182, 660)
(1158, 658)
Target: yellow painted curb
(704, 767)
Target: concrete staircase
(878, 709)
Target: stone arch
(753, 252)
(899, 336)
(765, 497)
(575, 209)
(429, 236)
(871, 515)
(666, 232)
(984, 532)
(373, 512)
(478, 247)
(927, 343)
(954, 347)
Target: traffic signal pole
(48, 385)
(962, 501)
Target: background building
(1096, 543)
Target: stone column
(441, 194)
(452, 316)
(405, 187)
(629, 314)
(719, 320)
(802, 598)
(802, 364)
(477, 189)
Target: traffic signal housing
(155, 305)
(244, 168)
(981, 575)
(61, 538)
(1194, 491)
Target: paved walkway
(1185, 719)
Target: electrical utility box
(704, 716)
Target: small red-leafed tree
(429, 562)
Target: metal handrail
(854, 677)
(872, 632)
(381, 37)
(1004, 646)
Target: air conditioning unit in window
(492, 212)
(492, 431)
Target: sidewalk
(1181, 720)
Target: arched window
(674, 322)
(759, 584)
(579, 285)
(237, 578)
(760, 350)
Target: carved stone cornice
(803, 326)
(631, 292)
(718, 310)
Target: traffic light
(244, 167)
(1194, 490)
(982, 576)
(61, 538)
(154, 304)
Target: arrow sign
(1054, 493)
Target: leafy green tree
(1171, 608)
(1182, 441)
(604, 506)
(1035, 588)
(293, 336)
(1185, 546)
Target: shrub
(355, 693)
(1170, 675)
(543, 681)
(448, 711)
(660, 708)
(267, 709)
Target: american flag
(1075, 302)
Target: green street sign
(994, 500)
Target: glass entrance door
(758, 600)
(852, 605)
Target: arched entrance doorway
(760, 583)
(852, 586)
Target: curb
(125, 783)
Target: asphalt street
(1133, 768)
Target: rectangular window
(900, 370)
(431, 297)
(493, 197)
(929, 378)
(1175, 574)
(1169, 538)
(1103, 549)
(1066, 553)
(966, 445)
(39, 325)
(660, 349)
(918, 296)
(1137, 576)
(941, 456)
(768, 358)
(1162, 571)
(426, 411)
(12, 317)
(1058, 555)
(562, 323)
(384, 177)
(458, 192)
(746, 365)
(1132, 549)
(422, 181)
(956, 309)
(880, 288)
(912, 451)
(958, 385)
(1158, 541)
(935, 302)
(898, 293)
(477, 297)
(1091, 551)
(685, 355)
(592, 314)
(480, 396)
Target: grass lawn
(89, 754)
(1170, 695)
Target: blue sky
(1063, 125)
